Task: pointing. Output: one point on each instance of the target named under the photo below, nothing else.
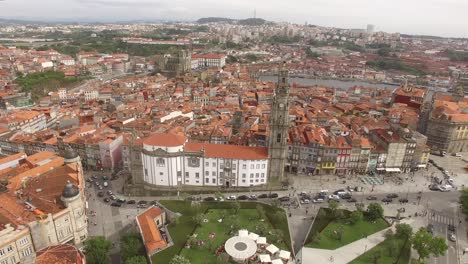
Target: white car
(232, 197)
(452, 237)
(305, 201)
(318, 200)
(334, 197)
(458, 155)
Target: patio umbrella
(284, 254)
(243, 233)
(261, 240)
(264, 258)
(272, 249)
(253, 236)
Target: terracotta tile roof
(228, 151)
(60, 254)
(165, 140)
(16, 156)
(149, 230)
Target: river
(331, 83)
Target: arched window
(160, 162)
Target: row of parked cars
(233, 197)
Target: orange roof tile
(165, 140)
(149, 230)
(228, 151)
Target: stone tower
(279, 126)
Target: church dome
(70, 154)
(70, 190)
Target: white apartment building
(26, 121)
(16, 245)
(90, 95)
(169, 160)
(210, 60)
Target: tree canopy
(374, 211)
(97, 250)
(426, 244)
(177, 259)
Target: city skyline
(434, 17)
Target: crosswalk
(371, 180)
(440, 217)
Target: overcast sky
(435, 17)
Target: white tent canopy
(272, 249)
(243, 233)
(264, 258)
(284, 254)
(240, 248)
(277, 261)
(261, 240)
(253, 236)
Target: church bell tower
(279, 126)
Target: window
(221, 174)
(251, 175)
(244, 166)
(221, 166)
(243, 175)
(263, 175)
(214, 164)
(23, 241)
(2, 252)
(263, 165)
(278, 138)
(160, 162)
(186, 174)
(258, 166)
(214, 181)
(207, 164)
(243, 181)
(197, 175)
(252, 166)
(207, 180)
(9, 248)
(256, 175)
(256, 180)
(146, 172)
(27, 252)
(234, 166)
(161, 173)
(251, 181)
(179, 174)
(213, 173)
(194, 162)
(207, 173)
(234, 174)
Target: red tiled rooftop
(165, 140)
(228, 151)
(149, 230)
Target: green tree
(355, 217)
(464, 200)
(130, 246)
(425, 244)
(374, 211)
(177, 259)
(261, 228)
(333, 205)
(404, 231)
(136, 260)
(97, 250)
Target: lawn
(247, 218)
(387, 252)
(328, 230)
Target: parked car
(242, 197)
(433, 187)
(110, 192)
(105, 184)
(253, 198)
(305, 201)
(116, 204)
(387, 200)
(113, 197)
(273, 195)
(334, 197)
(120, 200)
(403, 200)
(153, 203)
(318, 200)
(371, 198)
(106, 200)
(232, 197)
(142, 202)
(131, 202)
(209, 199)
(452, 237)
(345, 196)
(99, 187)
(339, 191)
(263, 196)
(392, 195)
(451, 228)
(284, 199)
(142, 205)
(430, 229)
(352, 200)
(100, 194)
